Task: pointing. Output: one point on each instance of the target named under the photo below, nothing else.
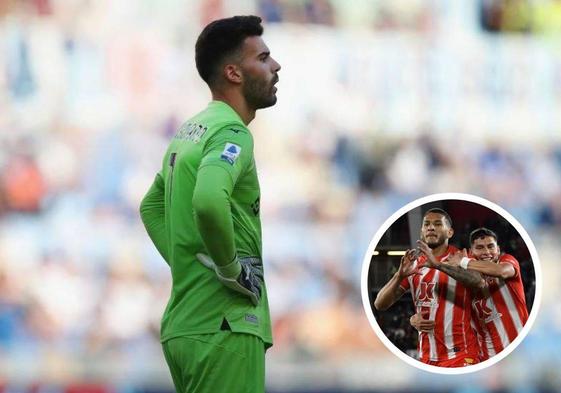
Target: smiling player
(500, 307)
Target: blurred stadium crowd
(379, 103)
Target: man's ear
(232, 73)
(450, 233)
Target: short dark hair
(441, 212)
(220, 39)
(481, 233)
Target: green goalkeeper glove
(243, 275)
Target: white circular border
(364, 283)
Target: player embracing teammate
(500, 306)
(468, 308)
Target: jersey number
(170, 178)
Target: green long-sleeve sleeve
(206, 200)
(213, 216)
(152, 212)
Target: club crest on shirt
(230, 153)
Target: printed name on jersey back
(191, 132)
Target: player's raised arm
(493, 269)
(392, 291)
(471, 279)
(486, 252)
(152, 212)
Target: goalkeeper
(202, 213)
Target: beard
(259, 93)
(435, 242)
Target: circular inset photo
(451, 283)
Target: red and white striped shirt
(500, 310)
(441, 298)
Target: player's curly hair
(221, 39)
(481, 233)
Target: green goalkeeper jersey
(206, 200)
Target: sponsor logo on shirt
(251, 318)
(255, 206)
(427, 291)
(485, 313)
(426, 296)
(230, 153)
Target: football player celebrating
(440, 294)
(499, 308)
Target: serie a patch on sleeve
(230, 153)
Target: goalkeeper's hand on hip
(243, 275)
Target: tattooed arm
(469, 278)
(504, 270)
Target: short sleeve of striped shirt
(404, 284)
(507, 258)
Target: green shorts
(219, 362)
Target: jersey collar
(227, 110)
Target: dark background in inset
(466, 216)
